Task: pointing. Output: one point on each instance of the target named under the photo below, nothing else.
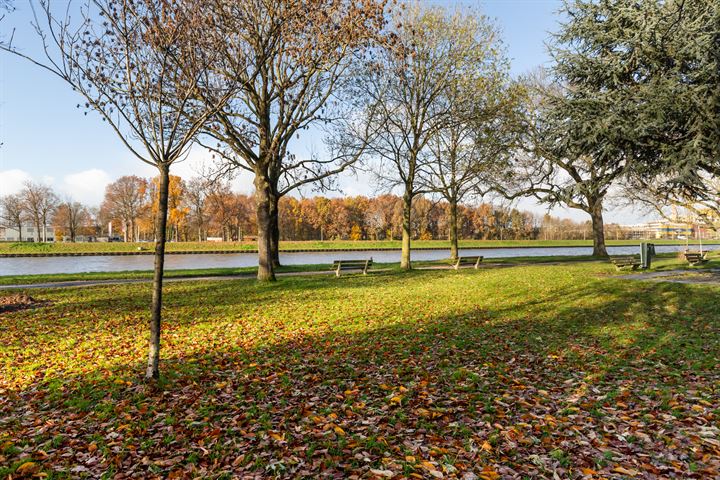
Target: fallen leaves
(431, 375)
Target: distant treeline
(199, 210)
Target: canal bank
(34, 265)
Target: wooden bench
(696, 258)
(341, 265)
(626, 261)
(467, 261)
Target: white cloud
(11, 181)
(87, 186)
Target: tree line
(199, 210)
(419, 95)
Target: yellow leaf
(486, 446)
(489, 474)
(588, 471)
(423, 412)
(410, 459)
(92, 447)
(396, 399)
(339, 431)
(27, 467)
(625, 471)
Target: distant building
(9, 234)
(668, 230)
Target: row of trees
(40, 206)
(198, 209)
(420, 95)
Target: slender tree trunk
(453, 229)
(406, 232)
(38, 238)
(153, 366)
(263, 202)
(596, 214)
(19, 225)
(275, 230)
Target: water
(49, 265)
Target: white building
(9, 234)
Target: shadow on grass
(530, 369)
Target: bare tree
(70, 216)
(292, 64)
(144, 66)
(477, 133)
(196, 191)
(125, 198)
(39, 203)
(12, 212)
(403, 86)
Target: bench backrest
(349, 264)
(469, 259)
(625, 259)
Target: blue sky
(47, 138)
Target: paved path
(700, 276)
(122, 281)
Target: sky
(47, 138)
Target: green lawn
(97, 247)
(521, 372)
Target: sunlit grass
(256, 374)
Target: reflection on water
(45, 265)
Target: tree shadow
(507, 382)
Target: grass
(98, 247)
(527, 372)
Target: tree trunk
(596, 213)
(406, 233)
(453, 230)
(153, 366)
(275, 230)
(263, 202)
(19, 225)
